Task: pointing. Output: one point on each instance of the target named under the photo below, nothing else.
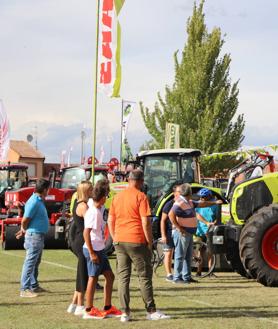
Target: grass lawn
(228, 301)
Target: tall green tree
(202, 100)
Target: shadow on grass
(42, 281)
(191, 287)
(219, 312)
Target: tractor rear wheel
(258, 246)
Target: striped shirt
(185, 213)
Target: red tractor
(57, 205)
(12, 176)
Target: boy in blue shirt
(206, 217)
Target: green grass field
(228, 301)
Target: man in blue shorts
(166, 235)
(34, 226)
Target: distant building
(24, 152)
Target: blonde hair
(83, 191)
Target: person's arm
(163, 227)
(111, 221)
(29, 213)
(203, 204)
(87, 239)
(147, 228)
(88, 225)
(24, 224)
(202, 219)
(173, 219)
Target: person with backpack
(84, 192)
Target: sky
(47, 63)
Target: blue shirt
(209, 214)
(36, 211)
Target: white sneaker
(28, 293)
(80, 310)
(71, 308)
(157, 316)
(125, 317)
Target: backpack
(70, 232)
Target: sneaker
(169, 278)
(178, 281)
(125, 317)
(199, 274)
(79, 311)
(28, 294)
(157, 316)
(113, 312)
(71, 308)
(191, 280)
(94, 314)
(38, 289)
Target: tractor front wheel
(258, 246)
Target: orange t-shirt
(126, 211)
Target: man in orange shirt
(130, 229)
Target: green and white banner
(172, 136)
(127, 109)
(110, 47)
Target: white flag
(4, 133)
(128, 108)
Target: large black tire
(252, 246)
(234, 261)
(10, 241)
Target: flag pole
(95, 95)
(121, 150)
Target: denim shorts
(95, 269)
(169, 245)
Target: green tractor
(250, 239)
(162, 170)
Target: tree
(202, 100)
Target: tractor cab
(13, 176)
(72, 176)
(164, 168)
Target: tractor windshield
(73, 176)
(12, 178)
(161, 173)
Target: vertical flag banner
(127, 109)
(110, 47)
(4, 133)
(172, 136)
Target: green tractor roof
(179, 151)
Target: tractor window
(160, 173)
(14, 179)
(72, 177)
(189, 169)
(3, 180)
